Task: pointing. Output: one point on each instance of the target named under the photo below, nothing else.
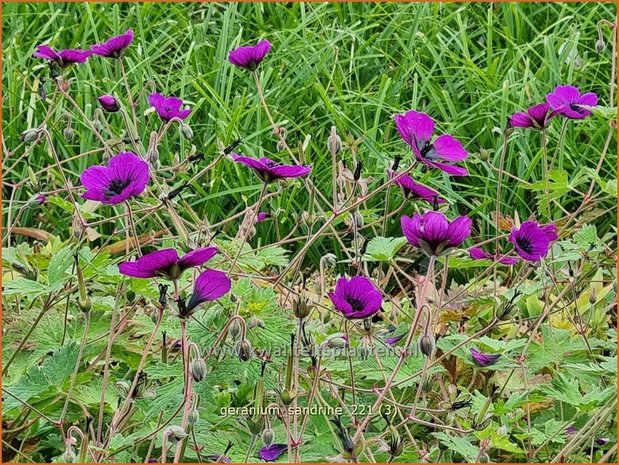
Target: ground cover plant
(309, 232)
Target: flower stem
(188, 390)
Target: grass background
(350, 65)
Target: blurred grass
(352, 65)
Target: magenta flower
(484, 360)
(433, 233)
(210, 285)
(166, 263)
(477, 253)
(250, 56)
(567, 101)
(272, 452)
(260, 217)
(125, 176)
(114, 47)
(168, 107)
(109, 103)
(394, 339)
(532, 241)
(356, 298)
(63, 58)
(414, 190)
(536, 117)
(269, 170)
(41, 199)
(417, 129)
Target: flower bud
(193, 417)
(268, 436)
(68, 133)
(302, 307)
(255, 322)
(198, 369)
(255, 426)
(244, 350)
(30, 135)
(109, 103)
(84, 305)
(235, 329)
(175, 434)
(600, 45)
(287, 396)
(335, 341)
(68, 457)
(592, 297)
(426, 345)
(334, 142)
(186, 131)
(502, 431)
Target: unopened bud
(268, 436)
(193, 417)
(244, 350)
(255, 322)
(198, 369)
(255, 426)
(235, 329)
(175, 434)
(288, 396)
(68, 133)
(426, 345)
(84, 305)
(186, 131)
(600, 45)
(335, 341)
(334, 143)
(592, 297)
(30, 135)
(68, 457)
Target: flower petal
(449, 148)
(197, 257)
(154, 264)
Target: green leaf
(58, 265)
(458, 445)
(383, 249)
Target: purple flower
(356, 298)
(417, 129)
(571, 430)
(484, 360)
(109, 103)
(272, 452)
(394, 339)
(602, 441)
(414, 190)
(249, 57)
(433, 233)
(532, 241)
(269, 170)
(63, 58)
(536, 117)
(210, 285)
(260, 217)
(114, 47)
(477, 253)
(166, 263)
(567, 101)
(41, 199)
(125, 176)
(168, 107)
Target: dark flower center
(426, 149)
(271, 164)
(576, 107)
(525, 244)
(115, 187)
(356, 304)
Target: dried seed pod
(243, 350)
(426, 345)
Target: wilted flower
(249, 56)
(356, 298)
(210, 285)
(536, 117)
(477, 253)
(532, 241)
(417, 129)
(62, 58)
(414, 190)
(272, 452)
(168, 107)
(567, 101)
(114, 47)
(125, 176)
(433, 233)
(269, 170)
(484, 360)
(109, 103)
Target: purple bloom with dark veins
(114, 47)
(477, 253)
(484, 360)
(272, 452)
(269, 170)
(356, 298)
(125, 176)
(260, 217)
(63, 58)
(209, 286)
(433, 233)
(532, 241)
(109, 103)
(417, 130)
(391, 341)
(166, 263)
(536, 117)
(414, 190)
(567, 101)
(249, 56)
(168, 107)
